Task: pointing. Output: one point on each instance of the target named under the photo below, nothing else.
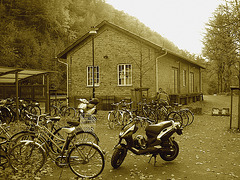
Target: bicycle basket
(88, 123)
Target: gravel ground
(208, 149)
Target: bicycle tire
(28, 135)
(35, 110)
(4, 160)
(176, 117)
(6, 115)
(111, 120)
(119, 117)
(185, 118)
(126, 117)
(63, 109)
(54, 111)
(79, 137)
(86, 157)
(70, 112)
(190, 116)
(27, 157)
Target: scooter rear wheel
(171, 154)
(118, 157)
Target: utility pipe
(157, 68)
(67, 76)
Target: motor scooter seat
(157, 128)
(90, 106)
(94, 101)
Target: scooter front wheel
(170, 153)
(118, 157)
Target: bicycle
(51, 123)
(7, 113)
(9, 153)
(86, 159)
(58, 108)
(186, 114)
(128, 112)
(115, 117)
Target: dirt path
(208, 149)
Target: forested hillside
(33, 32)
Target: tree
(221, 44)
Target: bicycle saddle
(68, 130)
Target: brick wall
(119, 49)
(112, 47)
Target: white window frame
(96, 76)
(124, 74)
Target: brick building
(125, 62)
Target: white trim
(124, 83)
(95, 77)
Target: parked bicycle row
(27, 151)
(156, 111)
(8, 109)
(84, 107)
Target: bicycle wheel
(86, 160)
(6, 115)
(175, 116)
(27, 157)
(35, 110)
(85, 136)
(119, 117)
(185, 118)
(63, 109)
(111, 120)
(70, 112)
(190, 116)
(54, 110)
(161, 114)
(79, 137)
(28, 136)
(3, 153)
(126, 117)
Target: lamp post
(93, 32)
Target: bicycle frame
(43, 135)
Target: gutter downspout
(157, 68)
(67, 76)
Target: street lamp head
(93, 30)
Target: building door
(191, 82)
(175, 80)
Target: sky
(182, 22)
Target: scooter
(88, 107)
(159, 141)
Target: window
(90, 76)
(124, 74)
(191, 82)
(184, 78)
(175, 80)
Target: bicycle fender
(30, 141)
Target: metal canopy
(8, 75)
